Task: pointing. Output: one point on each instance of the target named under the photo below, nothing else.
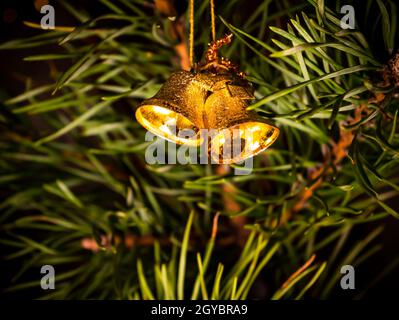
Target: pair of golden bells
(214, 97)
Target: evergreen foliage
(78, 194)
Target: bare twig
(299, 271)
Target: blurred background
(376, 276)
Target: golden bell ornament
(215, 97)
(240, 133)
(172, 110)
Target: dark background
(12, 78)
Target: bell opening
(168, 124)
(242, 141)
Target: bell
(172, 112)
(215, 97)
(237, 133)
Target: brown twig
(231, 206)
(318, 174)
(130, 241)
(177, 31)
(215, 225)
(299, 271)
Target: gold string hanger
(214, 96)
(191, 36)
